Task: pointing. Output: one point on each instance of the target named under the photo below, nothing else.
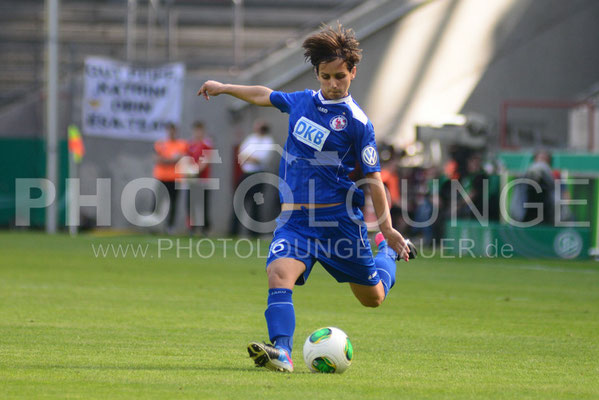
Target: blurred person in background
(391, 180)
(254, 156)
(440, 193)
(541, 174)
(473, 182)
(167, 154)
(199, 149)
(424, 205)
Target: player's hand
(210, 88)
(397, 242)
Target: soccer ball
(328, 350)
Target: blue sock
(385, 265)
(280, 318)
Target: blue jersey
(326, 139)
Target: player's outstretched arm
(258, 95)
(379, 200)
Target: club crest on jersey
(338, 123)
(310, 133)
(369, 155)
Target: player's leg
(386, 258)
(280, 316)
(384, 262)
(352, 261)
(206, 211)
(172, 195)
(283, 272)
(369, 296)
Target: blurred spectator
(473, 184)
(254, 156)
(539, 172)
(200, 148)
(168, 153)
(391, 180)
(441, 193)
(457, 166)
(425, 203)
(492, 169)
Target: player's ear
(353, 71)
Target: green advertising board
(494, 240)
(579, 174)
(26, 159)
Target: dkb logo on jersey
(310, 133)
(369, 156)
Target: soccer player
(321, 219)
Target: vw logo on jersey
(338, 123)
(310, 133)
(369, 155)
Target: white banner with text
(130, 102)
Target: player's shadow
(151, 367)
(138, 367)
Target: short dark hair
(262, 127)
(198, 124)
(330, 44)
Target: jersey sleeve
(366, 150)
(285, 101)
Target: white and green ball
(328, 350)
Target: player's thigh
(369, 296)
(283, 272)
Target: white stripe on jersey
(357, 113)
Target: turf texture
(174, 324)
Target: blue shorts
(328, 235)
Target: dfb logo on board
(568, 244)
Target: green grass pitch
(168, 326)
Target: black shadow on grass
(131, 367)
(145, 367)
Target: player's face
(335, 78)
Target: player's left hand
(210, 88)
(397, 242)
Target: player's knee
(274, 275)
(277, 277)
(372, 302)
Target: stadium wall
(423, 60)
(441, 58)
